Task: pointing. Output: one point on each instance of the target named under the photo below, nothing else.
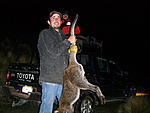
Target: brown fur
(74, 80)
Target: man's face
(55, 21)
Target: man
(53, 48)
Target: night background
(122, 26)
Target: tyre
(85, 104)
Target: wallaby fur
(73, 81)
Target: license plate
(27, 89)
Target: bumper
(11, 91)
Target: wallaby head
(72, 59)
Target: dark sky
(122, 26)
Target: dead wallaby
(74, 80)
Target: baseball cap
(55, 12)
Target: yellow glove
(73, 48)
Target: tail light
(7, 83)
(7, 76)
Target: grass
(136, 105)
(132, 105)
(26, 108)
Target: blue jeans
(49, 93)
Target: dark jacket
(53, 51)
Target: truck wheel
(84, 105)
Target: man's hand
(73, 48)
(72, 39)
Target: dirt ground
(33, 108)
(133, 105)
